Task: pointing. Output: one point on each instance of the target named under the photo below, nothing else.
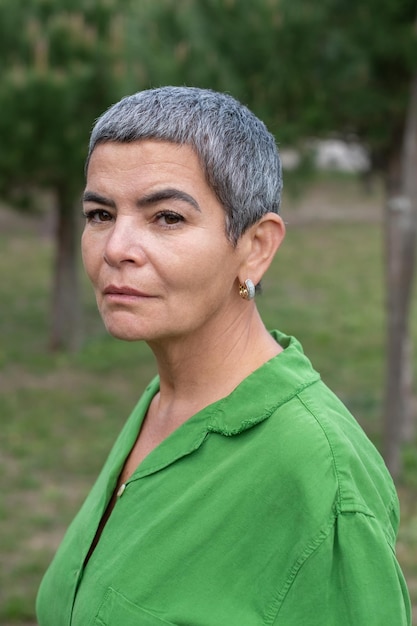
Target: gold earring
(247, 291)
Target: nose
(124, 244)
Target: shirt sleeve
(351, 578)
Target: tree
(62, 62)
(370, 63)
(401, 240)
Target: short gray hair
(237, 152)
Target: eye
(169, 218)
(97, 215)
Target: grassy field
(60, 413)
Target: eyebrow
(92, 196)
(154, 197)
(169, 193)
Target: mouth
(114, 291)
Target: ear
(261, 241)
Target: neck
(198, 370)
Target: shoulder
(327, 458)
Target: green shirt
(270, 506)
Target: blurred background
(336, 82)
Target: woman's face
(154, 244)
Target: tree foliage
(59, 68)
(305, 68)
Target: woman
(241, 491)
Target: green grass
(60, 413)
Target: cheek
(203, 270)
(89, 256)
(189, 271)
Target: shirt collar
(262, 392)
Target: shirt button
(121, 490)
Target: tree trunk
(65, 331)
(401, 229)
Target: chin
(133, 328)
(125, 337)
(124, 332)
(123, 327)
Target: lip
(124, 291)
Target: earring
(247, 291)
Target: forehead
(145, 158)
(148, 168)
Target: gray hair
(236, 151)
